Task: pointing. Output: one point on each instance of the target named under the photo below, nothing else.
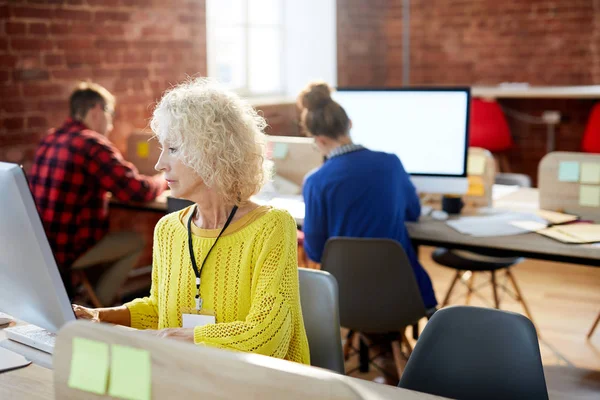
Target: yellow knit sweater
(250, 281)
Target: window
(245, 49)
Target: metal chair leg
(495, 290)
(589, 335)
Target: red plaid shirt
(73, 171)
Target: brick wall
(470, 42)
(135, 48)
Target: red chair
(591, 136)
(489, 130)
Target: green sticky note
(568, 171)
(589, 196)
(590, 173)
(476, 165)
(130, 373)
(89, 366)
(280, 150)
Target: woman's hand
(90, 314)
(183, 334)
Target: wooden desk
(531, 245)
(31, 382)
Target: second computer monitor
(427, 128)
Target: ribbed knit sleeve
(144, 311)
(269, 325)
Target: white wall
(310, 43)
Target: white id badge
(194, 320)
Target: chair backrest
(378, 289)
(591, 136)
(320, 309)
(488, 127)
(175, 204)
(521, 180)
(477, 353)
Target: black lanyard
(193, 257)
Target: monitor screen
(426, 128)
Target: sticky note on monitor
(130, 373)
(143, 149)
(89, 366)
(476, 186)
(476, 165)
(280, 150)
(590, 173)
(589, 196)
(568, 171)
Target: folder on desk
(556, 218)
(573, 233)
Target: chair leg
(519, 295)
(470, 287)
(363, 353)
(409, 348)
(589, 335)
(447, 298)
(348, 345)
(495, 290)
(89, 289)
(399, 359)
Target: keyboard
(32, 336)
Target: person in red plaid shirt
(75, 168)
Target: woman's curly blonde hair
(217, 134)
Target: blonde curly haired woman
(224, 254)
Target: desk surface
(530, 245)
(545, 92)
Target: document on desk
(495, 224)
(10, 360)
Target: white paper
(493, 225)
(193, 320)
(10, 360)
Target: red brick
(52, 60)
(19, 44)
(9, 92)
(37, 90)
(4, 76)
(134, 73)
(3, 44)
(36, 122)
(7, 60)
(104, 3)
(73, 15)
(31, 12)
(111, 16)
(31, 75)
(15, 28)
(13, 123)
(38, 29)
(72, 73)
(12, 106)
(111, 44)
(75, 44)
(53, 106)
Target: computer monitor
(31, 288)
(427, 128)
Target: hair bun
(316, 95)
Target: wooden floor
(564, 300)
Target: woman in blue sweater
(357, 192)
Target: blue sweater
(363, 194)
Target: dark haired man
(75, 167)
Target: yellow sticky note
(89, 366)
(476, 186)
(143, 149)
(589, 196)
(476, 165)
(280, 150)
(130, 373)
(590, 173)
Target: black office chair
(378, 293)
(468, 263)
(477, 353)
(175, 204)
